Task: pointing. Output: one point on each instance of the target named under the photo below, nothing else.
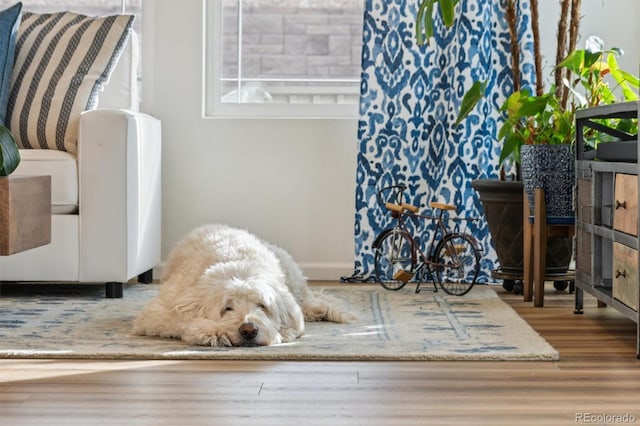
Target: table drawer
(625, 275)
(625, 216)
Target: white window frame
(68, 5)
(212, 105)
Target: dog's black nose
(248, 331)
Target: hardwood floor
(596, 381)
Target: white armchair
(106, 200)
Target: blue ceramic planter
(552, 168)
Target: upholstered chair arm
(119, 161)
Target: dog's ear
(191, 305)
(199, 300)
(290, 316)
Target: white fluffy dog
(225, 287)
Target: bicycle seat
(441, 206)
(401, 207)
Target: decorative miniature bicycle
(452, 259)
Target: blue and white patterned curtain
(409, 100)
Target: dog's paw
(216, 339)
(289, 335)
(204, 333)
(322, 307)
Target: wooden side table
(25, 213)
(535, 248)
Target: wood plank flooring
(596, 381)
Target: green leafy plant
(602, 82)
(9, 154)
(533, 120)
(550, 119)
(590, 66)
(424, 17)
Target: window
(283, 58)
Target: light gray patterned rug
(81, 323)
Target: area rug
(391, 325)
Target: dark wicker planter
(502, 205)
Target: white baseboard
(320, 271)
(314, 271)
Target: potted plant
(9, 154)
(539, 130)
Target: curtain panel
(409, 100)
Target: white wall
(614, 21)
(290, 181)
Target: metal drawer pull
(620, 273)
(621, 204)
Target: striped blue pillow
(62, 62)
(9, 23)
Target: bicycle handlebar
(397, 195)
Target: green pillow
(9, 23)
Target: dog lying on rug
(225, 287)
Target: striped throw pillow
(62, 62)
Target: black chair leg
(113, 290)
(146, 277)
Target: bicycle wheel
(394, 260)
(457, 264)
